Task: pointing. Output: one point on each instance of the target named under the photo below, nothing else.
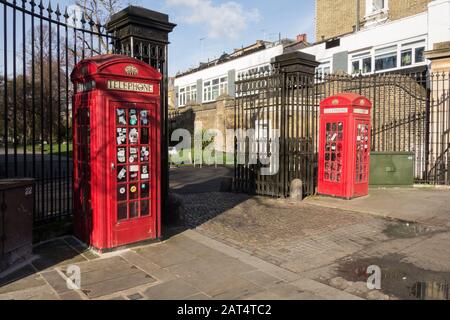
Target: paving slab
(172, 290)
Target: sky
(208, 28)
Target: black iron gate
(276, 120)
(39, 46)
(411, 113)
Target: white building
(379, 46)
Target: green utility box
(391, 169)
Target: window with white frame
(260, 70)
(412, 53)
(361, 63)
(187, 94)
(214, 88)
(323, 70)
(386, 58)
(376, 6)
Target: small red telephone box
(344, 146)
(116, 151)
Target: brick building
(351, 15)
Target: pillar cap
(296, 62)
(149, 22)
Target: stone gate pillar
(144, 34)
(296, 72)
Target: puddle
(407, 230)
(430, 290)
(399, 279)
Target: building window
(323, 70)
(420, 55)
(406, 58)
(412, 53)
(386, 58)
(187, 94)
(212, 89)
(261, 70)
(379, 5)
(182, 97)
(376, 6)
(362, 63)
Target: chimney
(302, 38)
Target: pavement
(236, 246)
(423, 205)
(188, 266)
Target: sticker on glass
(133, 136)
(133, 155)
(134, 171)
(133, 117)
(121, 155)
(144, 172)
(144, 117)
(121, 136)
(122, 175)
(145, 154)
(121, 117)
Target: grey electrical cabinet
(16, 221)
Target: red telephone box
(116, 151)
(344, 146)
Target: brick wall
(335, 18)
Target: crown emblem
(131, 70)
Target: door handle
(113, 166)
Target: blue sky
(223, 25)
(226, 25)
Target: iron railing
(40, 46)
(411, 113)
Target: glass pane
(144, 136)
(134, 171)
(121, 136)
(121, 155)
(121, 117)
(420, 57)
(406, 58)
(134, 213)
(145, 190)
(133, 117)
(367, 65)
(145, 154)
(122, 211)
(145, 172)
(355, 67)
(134, 136)
(384, 62)
(133, 155)
(133, 191)
(144, 118)
(145, 208)
(122, 174)
(122, 193)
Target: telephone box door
(133, 169)
(362, 154)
